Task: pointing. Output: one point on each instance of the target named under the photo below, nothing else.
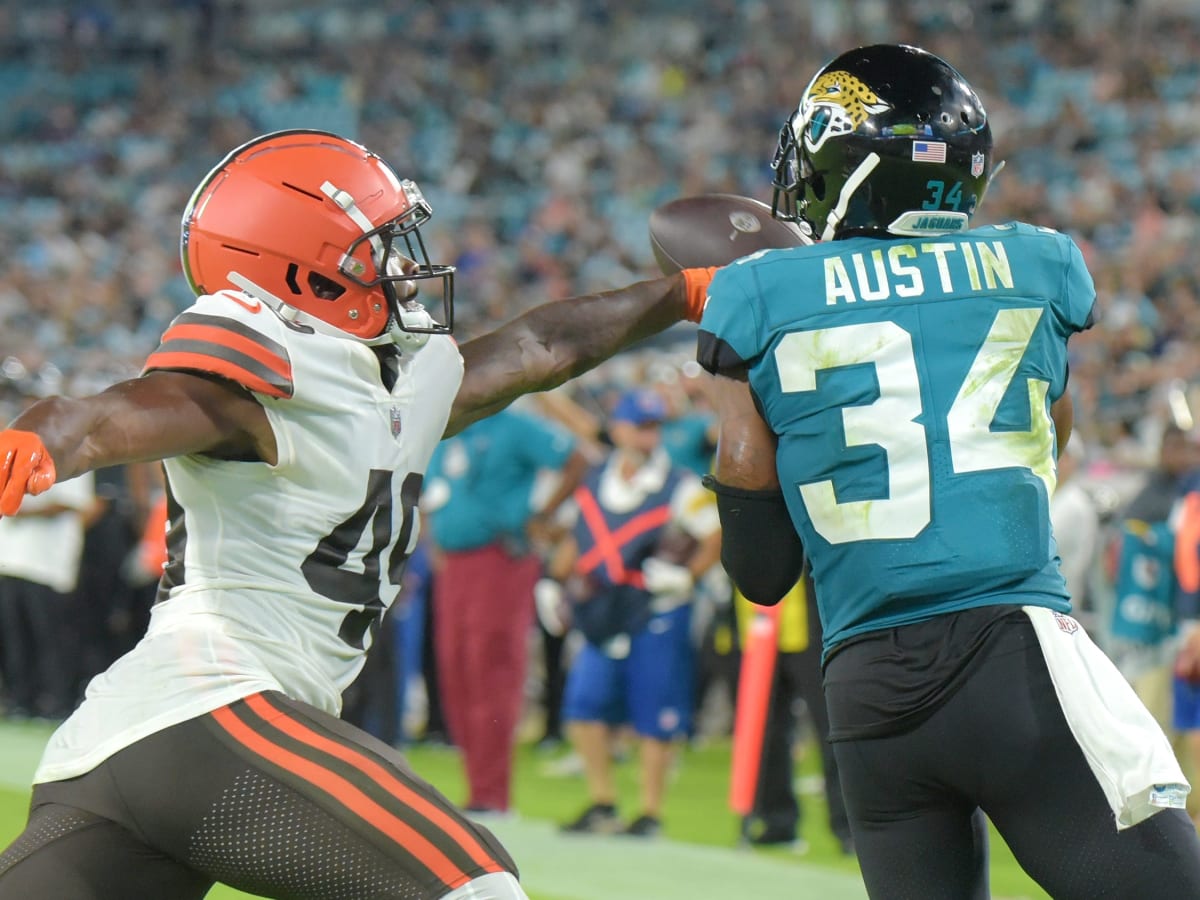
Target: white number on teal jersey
(890, 422)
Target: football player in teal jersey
(893, 399)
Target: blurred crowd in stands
(543, 135)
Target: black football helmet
(888, 139)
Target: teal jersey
(487, 473)
(910, 383)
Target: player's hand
(664, 579)
(25, 468)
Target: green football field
(696, 859)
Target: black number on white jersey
(324, 568)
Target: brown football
(715, 229)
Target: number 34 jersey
(277, 575)
(910, 384)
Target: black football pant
(1000, 744)
(39, 649)
(267, 795)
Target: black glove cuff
(760, 549)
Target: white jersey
(278, 574)
(47, 549)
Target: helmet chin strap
(996, 170)
(853, 183)
(405, 340)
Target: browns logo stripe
(206, 362)
(287, 722)
(226, 348)
(275, 360)
(234, 327)
(363, 787)
(346, 794)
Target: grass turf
(697, 859)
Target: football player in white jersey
(295, 404)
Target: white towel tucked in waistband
(1124, 746)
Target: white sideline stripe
(595, 867)
(20, 749)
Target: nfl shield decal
(1065, 623)
(395, 419)
(976, 165)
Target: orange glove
(696, 282)
(25, 468)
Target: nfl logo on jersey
(1066, 623)
(395, 416)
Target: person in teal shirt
(480, 505)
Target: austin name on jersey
(882, 274)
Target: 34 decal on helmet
(887, 139)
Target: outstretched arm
(556, 341)
(160, 415)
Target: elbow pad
(760, 549)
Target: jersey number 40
(325, 568)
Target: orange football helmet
(314, 220)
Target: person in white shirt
(40, 552)
(1075, 520)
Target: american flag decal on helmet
(929, 151)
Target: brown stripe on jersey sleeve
(227, 348)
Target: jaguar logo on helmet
(836, 103)
(854, 157)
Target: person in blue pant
(644, 533)
(892, 402)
